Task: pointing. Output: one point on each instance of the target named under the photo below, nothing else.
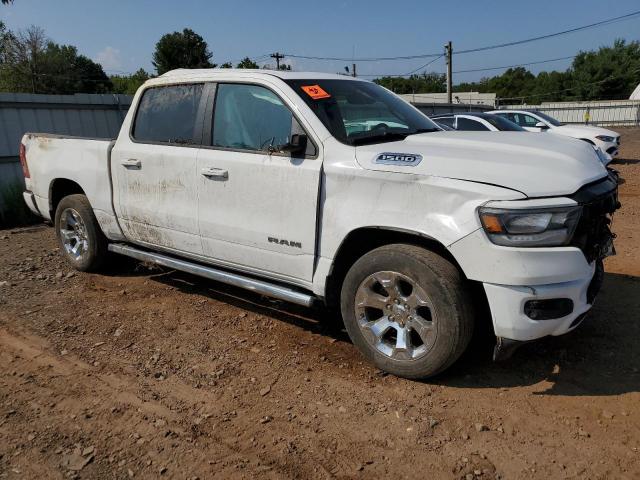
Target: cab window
(250, 117)
(168, 115)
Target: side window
(168, 114)
(468, 124)
(445, 120)
(522, 119)
(510, 116)
(529, 121)
(250, 117)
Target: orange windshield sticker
(315, 91)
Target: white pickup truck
(323, 188)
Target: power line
(409, 73)
(516, 65)
(366, 59)
(551, 35)
(472, 50)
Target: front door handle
(217, 173)
(132, 162)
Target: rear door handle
(132, 162)
(217, 173)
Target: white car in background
(476, 122)
(535, 121)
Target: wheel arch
(364, 239)
(60, 188)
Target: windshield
(548, 119)
(503, 124)
(358, 113)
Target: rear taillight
(23, 161)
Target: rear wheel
(81, 240)
(408, 310)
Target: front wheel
(408, 310)
(82, 242)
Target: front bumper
(507, 304)
(611, 149)
(560, 283)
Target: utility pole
(448, 51)
(353, 70)
(278, 56)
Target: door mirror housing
(297, 144)
(542, 126)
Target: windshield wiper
(379, 138)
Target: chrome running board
(257, 286)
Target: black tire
(94, 243)
(451, 308)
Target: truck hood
(536, 165)
(583, 131)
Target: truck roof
(213, 73)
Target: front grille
(599, 201)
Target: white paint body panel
(168, 205)
(83, 161)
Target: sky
(121, 34)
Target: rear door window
(169, 115)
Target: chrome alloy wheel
(73, 234)
(395, 315)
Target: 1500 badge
(406, 159)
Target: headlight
(540, 227)
(605, 138)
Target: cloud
(109, 58)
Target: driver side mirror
(297, 144)
(542, 126)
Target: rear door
(154, 169)
(257, 210)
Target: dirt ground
(148, 373)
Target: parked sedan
(476, 121)
(489, 122)
(536, 121)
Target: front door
(257, 210)
(154, 170)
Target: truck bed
(81, 160)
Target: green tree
(422, 83)
(226, 65)
(129, 84)
(33, 63)
(611, 72)
(184, 49)
(246, 62)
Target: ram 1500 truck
(311, 188)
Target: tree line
(30, 62)
(611, 72)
